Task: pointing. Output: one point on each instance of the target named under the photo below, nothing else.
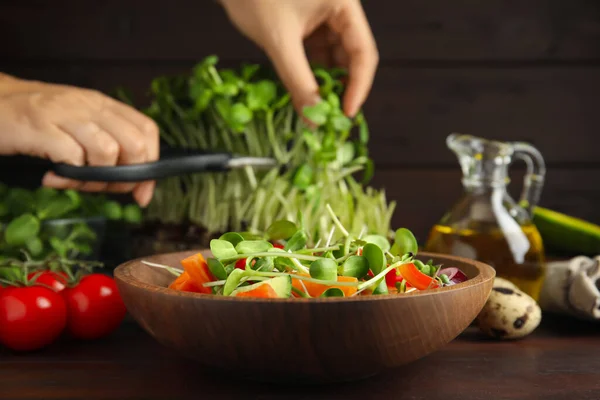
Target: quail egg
(509, 313)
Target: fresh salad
(281, 263)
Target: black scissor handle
(165, 167)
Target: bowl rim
(485, 273)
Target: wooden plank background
(503, 69)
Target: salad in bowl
(282, 263)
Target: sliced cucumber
(564, 233)
(282, 285)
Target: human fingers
(359, 44)
(144, 191)
(289, 59)
(133, 149)
(101, 149)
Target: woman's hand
(75, 126)
(337, 31)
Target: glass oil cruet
(486, 224)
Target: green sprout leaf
(381, 288)
(232, 237)
(333, 292)
(375, 256)
(318, 113)
(356, 266)
(240, 114)
(405, 242)
(382, 242)
(232, 282)
(216, 268)
(324, 269)
(281, 230)
(222, 249)
(303, 177)
(252, 246)
(260, 95)
(297, 241)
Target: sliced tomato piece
(416, 278)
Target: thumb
(292, 66)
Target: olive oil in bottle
(516, 257)
(486, 224)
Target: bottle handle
(534, 178)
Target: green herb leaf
(222, 249)
(333, 292)
(240, 114)
(132, 213)
(22, 229)
(281, 230)
(232, 282)
(303, 177)
(20, 201)
(324, 269)
(363, 128)
(232, 237)
(341, 123)
(74, 196)
(35, 246)
(381, 241)
(356, 266)
(345, 153)
(252, 246)
(216, 268)
(405, 242)
(113, 210)
(260, 95)
(317, 113)
(381, 288)
(297, 241)
(265, 264)
(55, 206)
(375, 256)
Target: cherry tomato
(56, 280)
(278, 246)
(94, 307)
(30, 317)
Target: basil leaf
(22, 229)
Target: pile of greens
(46, 221)
(248, 112)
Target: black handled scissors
(171, 163)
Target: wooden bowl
(302, 340)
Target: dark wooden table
(561, 360)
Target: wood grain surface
(559, 361)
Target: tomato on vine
(94, 307)
(31, 317)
